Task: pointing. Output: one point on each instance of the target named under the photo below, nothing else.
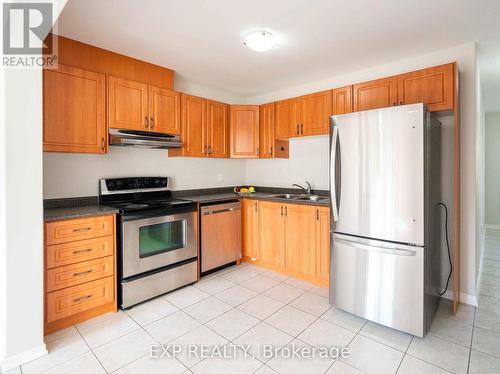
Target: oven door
(151, 243)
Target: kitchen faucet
(306, 190)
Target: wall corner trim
(23, 357)
(465, 298)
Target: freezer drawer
(220, 235)
(380, 281)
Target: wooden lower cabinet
(272, 233)
(80, 270)
(300, 238)
(250, 232)
(290, 238)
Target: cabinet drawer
(69, 301)
(72, 275)
(83, 250)
(78, 229)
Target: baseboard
(22, 358)
(465, 298)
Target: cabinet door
(244, 131)
(217, 129)
(164, 110)
(342, 100)
(250, 228)
(376, 94)
(300, 238)
(194, 111)
(286, 118)
(74, 107)
(433, 86)
(323, 243)
(128, 104)
(271, 233)
(266, 130)
(315, 112)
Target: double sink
(299, 197)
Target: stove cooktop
(148, 205)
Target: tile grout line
(471, 340)
(405, 353)
(91, 350)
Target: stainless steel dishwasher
(220, 235)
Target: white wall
(480, 178)
(23, 306)
(72, 175)
(465, 55)
(492, 161)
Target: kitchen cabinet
(74, 111)
(244, 131)
(433, 86)
(217, 129)
(204, 128)
(269, 146)
(315, 111)
(287, 117)
(342, 100)
(80, 273)
(164, 110)
(272, 233)
(375, 94)
(323, 243)
(250, 216)
(300, 238)
(141, 107)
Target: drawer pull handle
(82, 273)
(83, 229)
(82, 251)
(82, 298)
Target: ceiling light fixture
(260, 41)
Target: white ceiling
(201, 39)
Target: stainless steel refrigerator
(385, 188)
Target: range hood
(143, 139)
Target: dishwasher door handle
(219, 211)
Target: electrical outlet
(220, 177)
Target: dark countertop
(68, 208)
(211, 198)
(68, 212)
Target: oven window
(163, 237)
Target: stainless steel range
(157, 237)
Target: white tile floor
(247, 305)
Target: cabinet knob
(301, 128)
(146, 122)
(152, 122)
(297, 129)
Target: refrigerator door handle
(395, 250)
(333, 171)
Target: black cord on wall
(448, 245)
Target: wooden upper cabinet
(217, 129)
(244, 131)
(342, 100)
(269, 146)
(128, 104)
(74, 111)
(250, 219)
(323, 243)
(164, 110)
(300, 238)
(433, 86)
(315, 112)
(286, 118)
(376, 94)
(272, 233)
(194, 110)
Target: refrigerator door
(377, 173)
(380, 281)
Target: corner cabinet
(141, 107)
(244, 131)
(74, 111)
